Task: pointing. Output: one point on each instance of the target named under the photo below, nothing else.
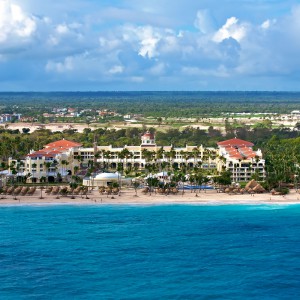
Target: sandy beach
(128, 197)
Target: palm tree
(182, 153)
(186, 157)
(63, 164)
(41, 188)
(160, 156)
(195, 153)
(107, 155)
(121, 158)
(76, 169)
(136, 184)
(47, 165)
(97, 155)
(172, 156)
(148, 155)
(34, 165)
(126, 154)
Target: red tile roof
(237, 156)
(65, 144)
(52, 149)
(45, 153)
(238, 149)
(235, 143)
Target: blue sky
(74, 45)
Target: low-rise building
(48, 164)
(63, 158)
(238, 157)
(9, 117)
(138, 157)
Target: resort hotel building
(61, 159)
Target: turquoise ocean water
(154, 252)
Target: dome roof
(148, 135)
(106, 176)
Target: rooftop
(148, 135)
(65, 144)
(235, 143)
(54, 148)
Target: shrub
(283, 190)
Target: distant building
(136, 157)
(71, 110)
(50, 162)
(241, 160)
(9, 117)
(295, 114)
(28, 119)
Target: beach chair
(31, 191)
(63, 191)
(4, 190)
(49, 190)
(17, 191)
(55, 190)
(24, 190)
(115, 191)
(10, 190)
(146, 190)
(84, 191)
(77, 190)
(175, 191)
(101, 190)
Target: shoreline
(129, 198)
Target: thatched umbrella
(24, 190)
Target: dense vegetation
(281, 146)
(156, 104)
(17, 144)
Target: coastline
(128, 197)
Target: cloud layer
(157, 46)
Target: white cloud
(158, 69)
(62, 29)
(137, 79)
(268, 24)
(64, 34)
(204, 21)
(116, 70)
(14, 22)
(220, 71)
(231, 29)
(148, 39)
(120, 48)
(60, 67)
(52, 40)
(148, 42)
(109, 43)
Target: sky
(150, 45)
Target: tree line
(156, 104)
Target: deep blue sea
(154, 252)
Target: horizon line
(157, 91)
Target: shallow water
(150, 252)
